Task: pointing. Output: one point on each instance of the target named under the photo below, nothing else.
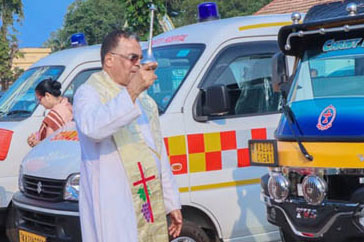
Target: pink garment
(58, 116)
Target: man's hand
(142, 80)
(176, 223)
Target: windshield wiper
(14, 112)
(287, 111)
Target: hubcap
(183, 239)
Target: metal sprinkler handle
(150, 57)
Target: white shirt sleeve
(97, 120)
(170, 188)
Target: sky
(41, 18)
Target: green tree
(10, 11)
(184, 12)
(138, 16)
(94, 18)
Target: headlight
(278, 187)
(72, 187)
(20, 179)
(314, 189)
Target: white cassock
(105, 201)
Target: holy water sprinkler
(148, 58)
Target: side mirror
(217, 101)
(214, 101)
(279, 71)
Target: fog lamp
(278, 187)
(314, 189)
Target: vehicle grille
(56, 228)
(39, 222)
(43, 189)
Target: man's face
(123, 61)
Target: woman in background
(48, 93)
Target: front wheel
(191, 233)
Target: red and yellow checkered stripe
(215, 151)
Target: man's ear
(109, 59)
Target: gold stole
(139, 163)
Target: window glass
(336, 73)
(174, 64)
(20, 101)
(247, 77)
(77, 81)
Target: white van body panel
(73, 62)
(55, 163)
(10, 166)
(71, 58)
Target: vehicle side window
(246, 71)
(77, 81)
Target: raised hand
(142, 80)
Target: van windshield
(330, 72)
(174, 65)
(19, 101)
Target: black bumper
(56, 221)
(332, 221)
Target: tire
(191, 233)
(10, 229)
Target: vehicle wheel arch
(201, 217)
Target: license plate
(25, 236)
(263, 152)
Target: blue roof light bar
(207, 11)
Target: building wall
(30, 56)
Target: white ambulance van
(214, 93)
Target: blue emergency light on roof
(78, 39)
(207, 11)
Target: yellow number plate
(25, 236)
(263, 152)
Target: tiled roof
(289, 6)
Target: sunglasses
(133, 58)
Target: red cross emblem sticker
(326, 118)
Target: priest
(126, 184)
